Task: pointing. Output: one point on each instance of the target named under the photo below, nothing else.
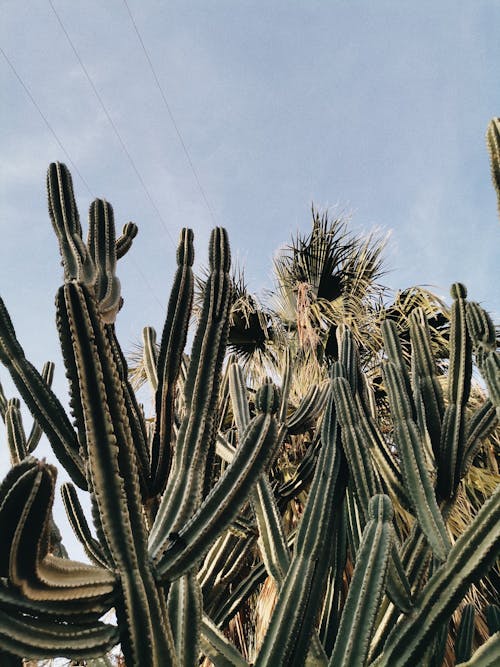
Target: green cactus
(367, 585)
(187, 512)
(109, 455)
(493, 143)
(465, 634)
(471, 556)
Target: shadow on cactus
(186, 521)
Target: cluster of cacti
(187, 522)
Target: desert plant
(187, 520)
(493, 143)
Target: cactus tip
(458, 291)
(381, 506)
(267, 398)
(219, 252)
(185, 250)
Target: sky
(253, 111)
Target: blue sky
(378, 109)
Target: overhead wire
(66, 153)
(112, 123)
(45, 120)
(169, 111)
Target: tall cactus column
(493, 143)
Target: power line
(169, 111)
(73, 165)
(111, 122)
(44, 118)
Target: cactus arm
(383, 458)
(482, 422)
(219, 508)
(331, 608)
(465, 634)
(36, 639)
(16, 437)
(415, 554)
(303, 474)
(217, 648)
(25, 514)
(279, 646)
(150, 356)
(76, 517)
(492, 379)
(398, 587)
(3, 403)
(349, 357)
(114, 478)
(41, 401)
(366, 588)
(221, 566)
(102, 249)
(134, 413)
(493, 618)
(239, 595)
(86, 610)
(459, 381)
(287, 383)
(482, 332)
(124, 241)
(224, 449)
(487, 655)
(398, 584)
(310, 407)
(427, 390)
(238, 394)
(185, 484)
(36, 429)
(493, 144)
(355, 522)
(272, 539)
(438, 647)
(354, 445)
(394, 351)
(105, 421)
(61, 578)
(469, 559)
(77, 262)
(184, 607)
(417, 479)
(289, 632)
(172, 345)
(216, 561)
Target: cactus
(108, 454)
(493, 143)
(187, 513)
(367, 585)
(465, 634)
